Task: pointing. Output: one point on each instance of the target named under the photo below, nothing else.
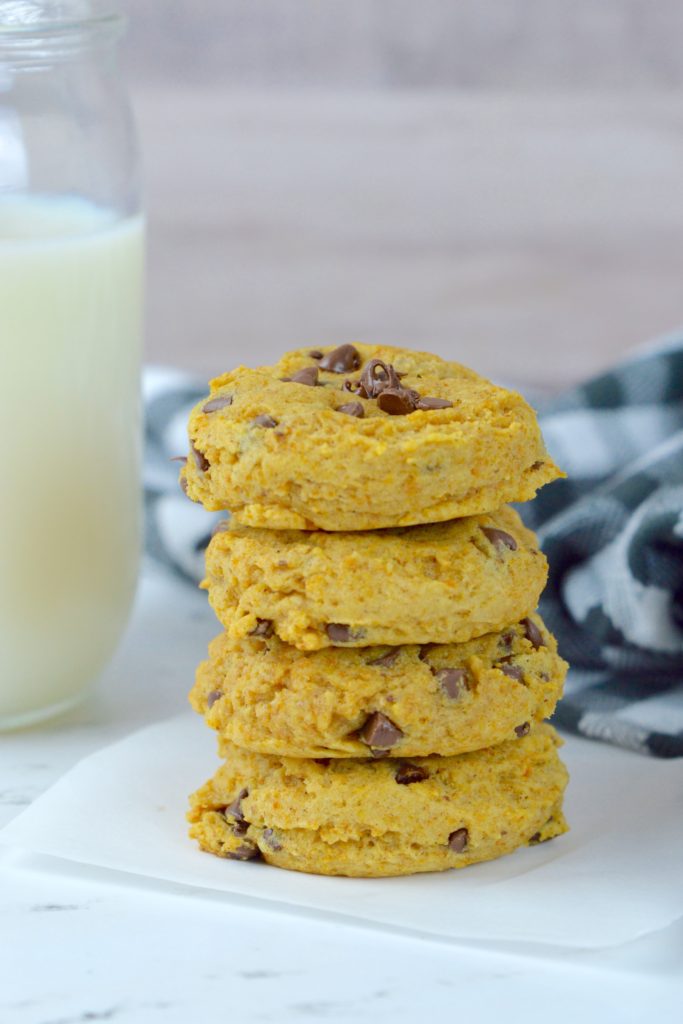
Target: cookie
(446, 582)
(360, 438)
(378, 818)
(267, 696)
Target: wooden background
(498, 182)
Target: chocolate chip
(270, 839)
(434, 403)
(398, 401)
(212, 697)
(458, 840)
(324, 761)
(499, 538)
(247, 851)
(179, 458)
(240, 828)
(200, 459)
(452, 681)
(263, 628)
(425, 651)
(512, 671)
(536, 838)
(379, 732)
(409, 773)
(220, 402)
(308, 376)
(377, 377)
(386, 660)
(523, 729)
(315, 353)
(533, 633)
(353, 409)
(506, 641)
(235, 808)
(537, 465)
(344, 359)
(339, 633)
(264, 420)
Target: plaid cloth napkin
(612, 532)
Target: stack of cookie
(380, 687)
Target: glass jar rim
(40, 41)
(112, 22)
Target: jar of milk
(71, 275)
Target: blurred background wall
(496, 180)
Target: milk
(70, 327)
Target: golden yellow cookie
(291, 447)
(446, 582)
(407, 701)
(377, 818)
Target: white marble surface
(85, 945)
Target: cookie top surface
(386, 817)
(362, 437)
(446, 699)
(459, 579)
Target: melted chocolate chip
(212, 697)
(307, 376)
(377, 377)
(425, 651)
(434, 403)
(344, 359)
(240, 828)
(506, 641)
(201, 459)
(379, 732)
(536, 838)
(453, 681)
(315, 353)
(220, 402)
(264, 420)
(512, 671)
(179, 458)
(386, 660)
(409, 773)
(533, 633)
(352, 409)
(271, 840)
(537, 465)
(398, 401)
(235, 808)
(458, 840)
(263, 628)
(499, 538)
(247, 851)
(324, 761)
(523, 729)
(339, 633)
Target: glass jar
(71, 280)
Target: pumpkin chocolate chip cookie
(446, 699)
(446, 582)
(359, 438)
(387, 817)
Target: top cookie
(359, 438)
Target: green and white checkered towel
(613, 534)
